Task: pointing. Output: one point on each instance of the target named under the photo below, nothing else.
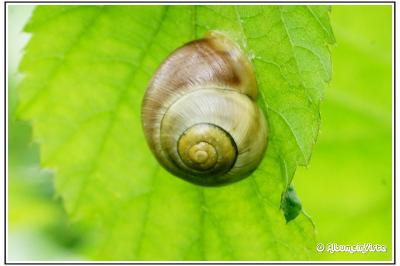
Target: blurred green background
(347, 188)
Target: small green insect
(290, 204)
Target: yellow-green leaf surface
(86, 69)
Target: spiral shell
(200, 115)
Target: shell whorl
(200, 116)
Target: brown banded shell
(200, 115)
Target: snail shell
(200, 115)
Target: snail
(200, 116)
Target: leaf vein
(112, 119)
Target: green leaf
(86, 69)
